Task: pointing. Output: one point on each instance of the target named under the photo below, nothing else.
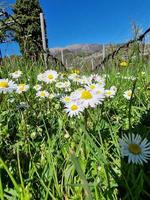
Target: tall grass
(47, 155)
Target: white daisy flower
(127, 94)
(67, 84)
(59, 85)
(50, 76)
(37, 87)
(73, 109)
(96, 78)
(87, 98)
(7, 86)
(113, 88)
(97, 89)
(16, 74)
(51, 96)
(22, 88)
(42, 94)
(73, 77)
(41, 77)
(110, 93)
(66, 99)
(136, 149)
(102, 83)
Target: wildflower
(42, 94)
(127, 94)
(73, 109)
(66, 99)
(97, 89)
(113, 88)
(73, 77)
(7, 86)
(51, 96)
(111, 92)
(96, 78)
(50, 76)
(123, 64)
(16, 74)
(22, 88)
(41, 77)
(87, 98)
(136, 149)
(37, 87)
(59, 85)
(76, 71)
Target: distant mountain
(78, 48)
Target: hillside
(78, 55)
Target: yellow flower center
(4, 84)
(67, 99)
(42, 94)
(37, 87)
(86, 95)
(74, 107)
(92, 87)
(21, 87)
(50, 76)
(134, 148)
(109, 92)
(129, 94)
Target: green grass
(38, 161)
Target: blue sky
(90, 21)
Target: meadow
(74, 135)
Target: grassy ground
(45, 154)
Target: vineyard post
(103, 54)
(43, 39)
(92, 62)
(62, 56)
(103, 51)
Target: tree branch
(126, 45)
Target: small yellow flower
(124, 64)
(75, 71)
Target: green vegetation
(45, 154)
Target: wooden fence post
(103, 51)
(62, 56)
(92, 62)
(43, 39)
